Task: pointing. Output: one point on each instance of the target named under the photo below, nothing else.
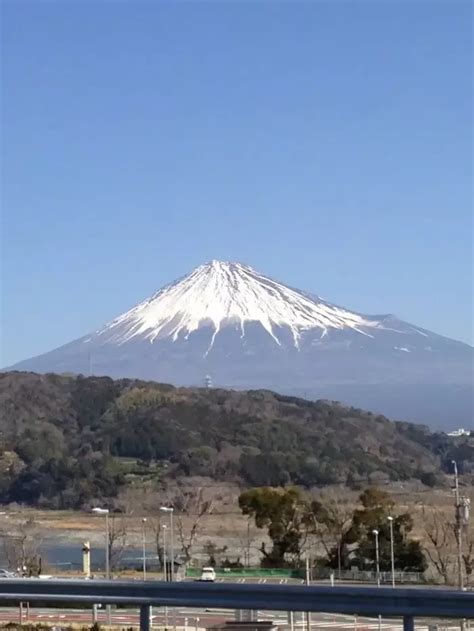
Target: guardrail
(249, 572)
(316, 573)
(368, 576)
(365, 601)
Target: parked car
(208, 575)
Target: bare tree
(138, 501)
(117, 539)
(440, 541)
(468, 558)
(246, 543)
(329, 519)
(215, 553)
(468, 549)
(191, 507)
(22, 549)
(156, 525)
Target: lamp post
(170, 511)
(105, 512)
(144, 546)
(375, 532)
(166, 573)
(392, 552)
(339, 559)
(248, 542)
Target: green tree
(40, 442)
(377, 506)
(281, 512)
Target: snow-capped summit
(220, 293)
(240, 328)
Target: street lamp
(248, 542)
(392, 553)
(170, 511)
(164, 553)
(375, 532)
(144, 547)
(105, 511)
(166, 573)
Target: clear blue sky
(328, 144)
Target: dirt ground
(229, 533)
(225, 523)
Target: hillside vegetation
(67, 440)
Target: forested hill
(64, 439)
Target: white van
(208, 575)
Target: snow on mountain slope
(246, 330)
(219, 293)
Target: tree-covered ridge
(63, 438)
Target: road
(274, 580)
(200, 619)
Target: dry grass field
(223, 526)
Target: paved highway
(200, 619)
(272, 580)
(344, 600)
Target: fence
(248, 572)
(368, 576)
(316, 573)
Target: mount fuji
(228, 323)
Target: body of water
(68, 556)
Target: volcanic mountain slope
(246, 330)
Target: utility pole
(457, 514)
(461, 507)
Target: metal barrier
(365, 601)
(250, 572)
(368, 576)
